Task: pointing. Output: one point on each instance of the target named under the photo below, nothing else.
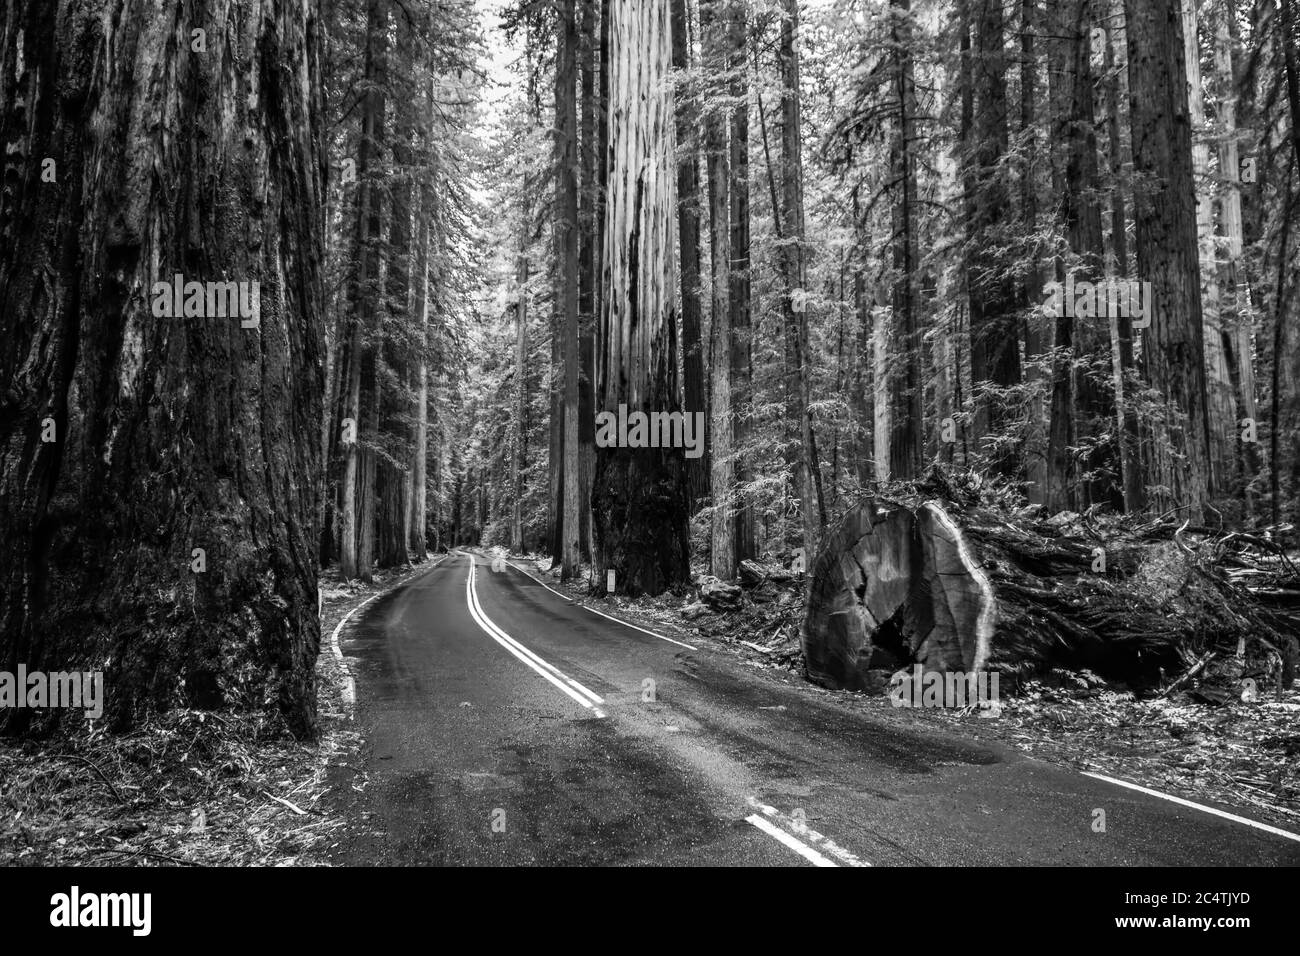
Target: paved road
(506, 725)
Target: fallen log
(753, 575)
(970, 587)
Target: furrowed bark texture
(1165, 227)
(640, 494)
(172, 433)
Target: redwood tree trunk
(1165, 219)
(742, 372)
(566, 257)
(904, 419)
(994, 333)
(588, 274)
(790, 228)
(640, 494)
(418, 517)
(722, 550)
(172, 433)
(688, 237)
(356, 494)
(1121, 326)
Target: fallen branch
(294, 807)
(1196, 669)
(102, 776)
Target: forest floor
(1239, 755)
(188, 788)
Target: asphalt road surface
(508, 725)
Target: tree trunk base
(640, 512)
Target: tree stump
(969, 588)
(895, 585)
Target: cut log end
(973, 588)
(895, 586)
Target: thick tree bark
(172, 434)
(1286, 362)
(904, 411)
(640, 495)
(994, 331)
(392, 513)
(1165, 219)
(1082, 411)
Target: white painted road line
(541, 582)
(616, 620)
(811, 836)
(689, 647)
(803, 849)
(1276, 831)
(587, 698)
(595, 698)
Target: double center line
(588, 698)
(809, 844)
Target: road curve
(506, 725)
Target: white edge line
(1196, 806)
(350, 688)
(541, 582)
(689, 647)
(803, 849)
(539, 666)
(616, 620)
